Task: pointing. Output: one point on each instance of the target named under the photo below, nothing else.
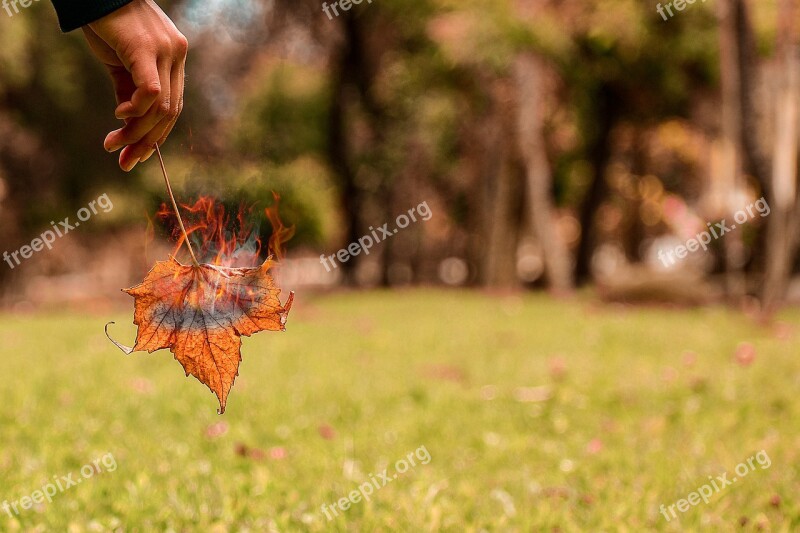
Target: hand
(145, 55)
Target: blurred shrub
(308, 197)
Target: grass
(538, 415)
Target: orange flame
(280, 233)
(222, 240)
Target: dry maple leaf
(201, 312)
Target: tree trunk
(599, 152)
(339, 159)
(501, 194)
(528, 74)
(730, 44)
(353, 77)
(782, 224)
(755, 151)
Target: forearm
(73, 14)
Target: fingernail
(130, 165)
(112, 146)
(146, 156)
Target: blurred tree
(530, 78)
(519, 120)
(733, 44)
(782, 234)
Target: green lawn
(538, 415)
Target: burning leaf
(201, 312)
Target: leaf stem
(175, 206)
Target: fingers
(146, 77)
(177, 84)
(143, 149)
(137, 128)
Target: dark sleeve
(73, 14)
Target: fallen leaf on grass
(327, 432)
(201, 312)
(256, 454)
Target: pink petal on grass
(216, 430)
(142, 385)
(594, 446)
(558, 367)
(533, 394)
(745, 354)
(783, 331)
(278, 453)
